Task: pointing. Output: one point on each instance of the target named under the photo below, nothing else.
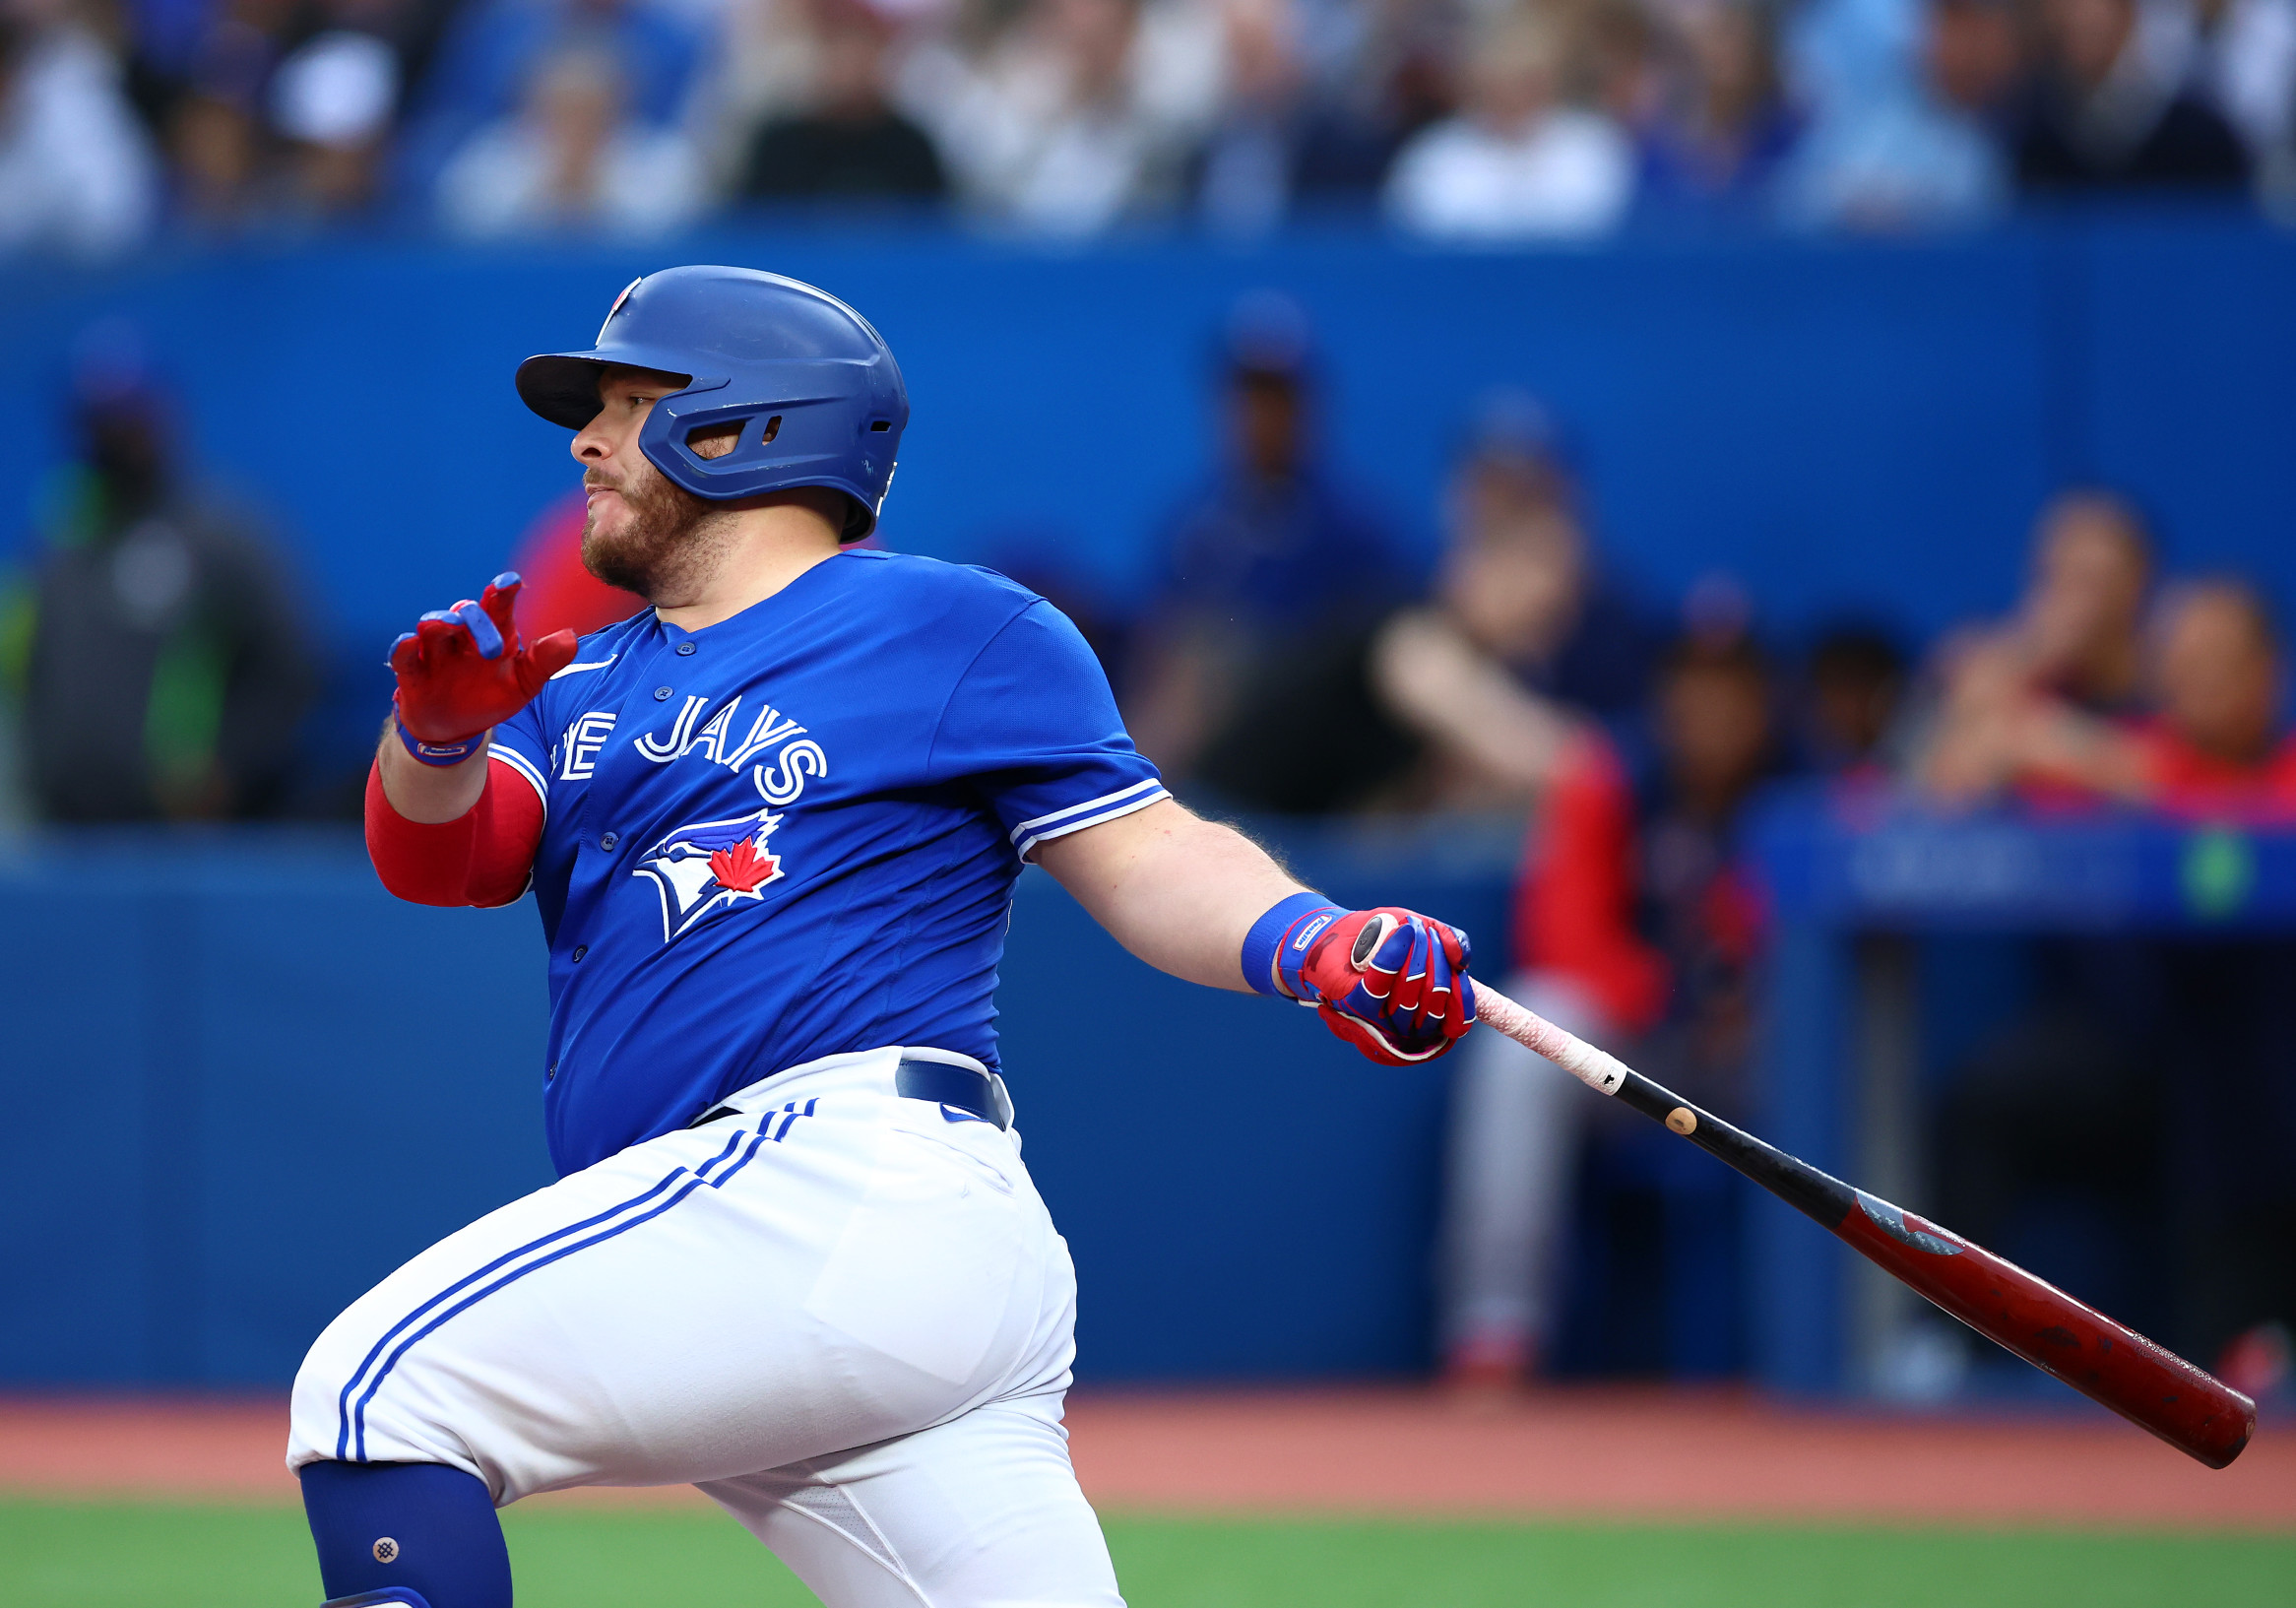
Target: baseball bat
(2152, 1387)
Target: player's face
(639, 525)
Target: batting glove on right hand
(1391, 981)
(463, 671)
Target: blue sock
(423, 1527)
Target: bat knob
(1367, 941)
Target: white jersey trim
(1100, 809)
(526, 768)
(592, 663)
(1028, 829)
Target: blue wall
(1844, 426)
(242, 1083)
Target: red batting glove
(1391, 981)
(463, 671)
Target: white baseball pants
(842, 1314)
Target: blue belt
(944, 1084)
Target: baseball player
(772, 825)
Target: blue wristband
(1269, 931)
(437, 754)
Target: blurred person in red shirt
(2217, 749)
(2213, 750)
(1634, 927)
(2025, 704)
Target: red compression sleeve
(483, 857)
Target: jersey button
(551, 1077)
(685, 649)
(661, 695)
(581, 949)
(608, 840)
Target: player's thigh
(980, 1512)
(698, 1306)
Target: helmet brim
(563, 386)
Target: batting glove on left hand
(1391, 981)
(463, 671)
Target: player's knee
(418, 1534)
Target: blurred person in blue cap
(1465, 700)
(1276, 549)
(158, 652)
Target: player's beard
(670, 543)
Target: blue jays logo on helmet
(710, 866)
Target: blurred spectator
(213, 114)
(77, 174)
(332, 101)
(1926, 158)
(850, 144)
(2218, 750)
(498, 52)
(2240, 59)
(2215, 750)
(2108, 112)
(560, 593)
(164, 665)
(1287, 141)
(1634, 927)
(1856, 680)
(1078, 116)
(278, 108)
(1469, 700)
(1719, 138)
(1275, 551)
(1519, 162)
(2019, 703)
(572, 158)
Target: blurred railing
(1851, 876)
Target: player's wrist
(441, 755)
(1276, 947)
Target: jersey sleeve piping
(1076, 817)
(1061, 821)
(525, 767)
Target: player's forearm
(430, 794)
(1177, 891)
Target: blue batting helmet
(812, 385)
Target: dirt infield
(1626, 1453)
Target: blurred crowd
(1475, 120)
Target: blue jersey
(795, 832)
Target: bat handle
(1598, 1069)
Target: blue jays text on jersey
(795, 833)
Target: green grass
(58, 1555)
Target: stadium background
(241, 1083)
